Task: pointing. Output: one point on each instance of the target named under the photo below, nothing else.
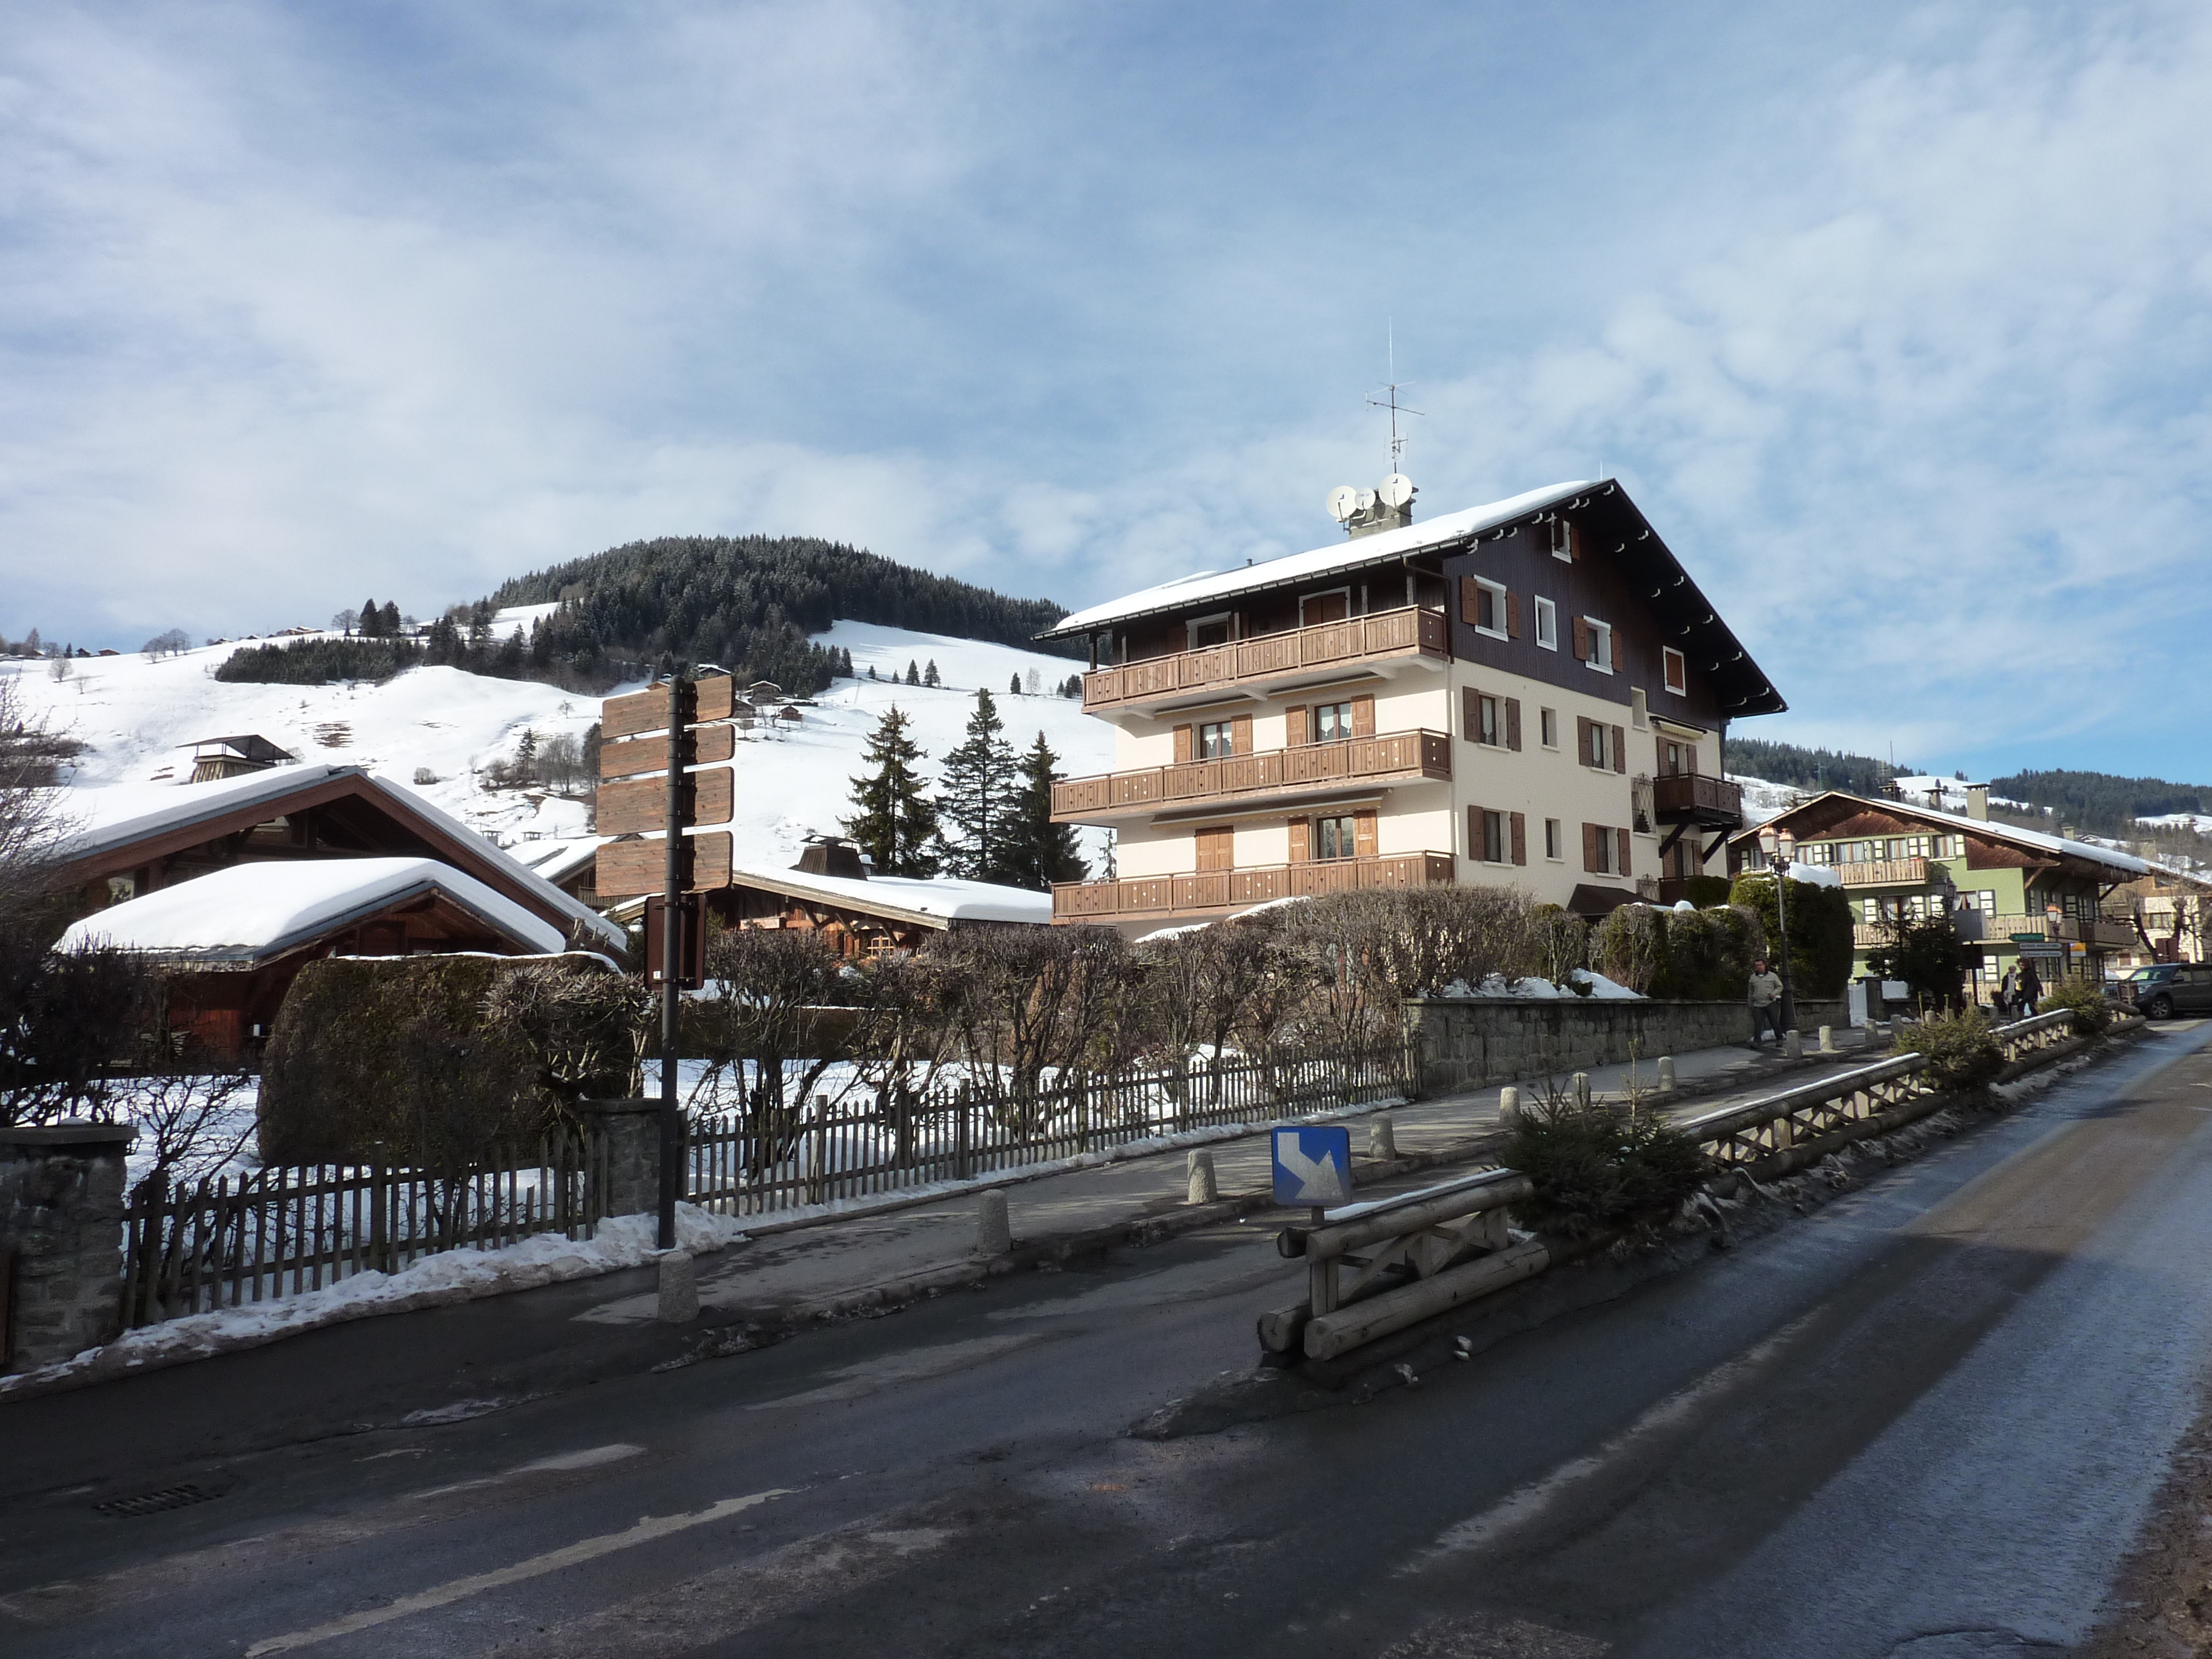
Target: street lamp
(1779, 846)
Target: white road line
(648, 1529)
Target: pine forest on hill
(1807, 768)
(2101, 803)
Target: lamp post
(1779, 845)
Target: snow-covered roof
(251, 912)
(99, 820)
(939, 900)
(1319, 562)
(2033, 840)
(557, 861)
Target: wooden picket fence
(751, 1163)
(225, 1243)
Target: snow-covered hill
(138, 719)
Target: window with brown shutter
(1619, 750)
(1217, 848)
(1593, 849)
(1512, 615)
(1586, 740)
(1363, 716)
(1520, 838)
(1364, 829)
(1667, 756)
(1294, 725)
(1470, 712)
(1470, 601)
(1619, 654)
(1301, 840)
(1475, 832)
(1183, 745)
(1240, 735)
(1513, 723)
(1621, 838)
(1582, 639)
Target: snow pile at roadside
(1496, 987)
(452, 1276)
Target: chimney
(831, 855)
(2065, 832)
(1977, 802)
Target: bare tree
(760, 1034)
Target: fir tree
(893, 822)
(390, 617)
(929, 674)
(1040, 852)
(1014, 686)
(913, 672)
(977, 801)
(871, 670)
(370, 619)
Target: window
(1605, 850)
(1547, 624)
(1210, 630)
(1493, 850)
(1984, 900)
(1678, 670)
(1489, 608)
(1547, 720)
(1636, 708)
(1670, 761)
(1600, 655)
(1485, 721)
(1318, 608)
(1603, 753)
(1562, 540)
(1335, 838)
(1551, 835)
(1332, 721)
(1215, 741)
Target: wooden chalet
(216, 758)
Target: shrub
(1706, 892)
(1962, 1050)
(1630, 947)
(2092, 1014)
(1594, 1169)
(1927, 956)
(1559, 945)
(1820, 930)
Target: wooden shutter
(1582, 641)
(1470, 712)
(1240, 735)
(1295, 726)
(1520, 838)
(1217, 848)
(1474, 833)
(1585, 744)
(1512, 615)
(1573, 537)
(1364, 839)
(1513, 723)
(1301, 840)
(1592, 857)
(1690, 759)
(1470, 600)
(1619, 752)
(1659, 767)
(1363, 716)
(1622, 836)
(1619, 653)
(1183, 745)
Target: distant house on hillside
(232, 942)
(131, 840)
(215, 758)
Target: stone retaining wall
(61, 1221)
(1465, 1044)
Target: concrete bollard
(1666, 1073)
(993, 1233)
(1508, 1105)
(1582, 1089)
(1793, 1045)
(1828, 1040)
(1382, 1137)
(679, 1286)
(1197, 1169)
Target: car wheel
(2160, 1008)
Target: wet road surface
(1925, 1420)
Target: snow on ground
(139, 718)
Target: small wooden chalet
(830, 891)
(231, 942)
(215, 758)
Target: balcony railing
(1394, 756)
(1406, 633)
(1223, 890)
(1884, 872)
(1699, 798)
(1972, 926)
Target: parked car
(2167, 988)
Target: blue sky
(1893, 316)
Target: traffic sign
(1313, 1165)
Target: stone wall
(61, 1220)
(1465, 1044)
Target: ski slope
(138, 720)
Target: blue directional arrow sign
(1313, 1165)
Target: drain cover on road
(153, 1503)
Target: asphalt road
(1926, 1420)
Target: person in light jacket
(1765, 993)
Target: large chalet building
(1532, 694)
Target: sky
(1893, 317)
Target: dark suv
(2167, 988)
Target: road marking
(590, 1458)
(648, 1529)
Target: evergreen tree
(370, 616)
(929, 674)
(1014, 686)
(871, 670)
(977, 801)
(1039, 851)
(391, 617)
(893, 822)
(913, 672)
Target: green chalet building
(2009, 892)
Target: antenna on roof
(1389, 401)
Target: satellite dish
(1343, 502)
(1397, 490)
(1363, 500)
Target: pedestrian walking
(2031, 988)
(1765, 998)
(2009, 993)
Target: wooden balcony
(1885, 873)
(1699, 799)
(1213, 891)
(1286, 774)
(1386, 639)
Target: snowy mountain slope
(139, 718)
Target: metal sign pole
(682, 701)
